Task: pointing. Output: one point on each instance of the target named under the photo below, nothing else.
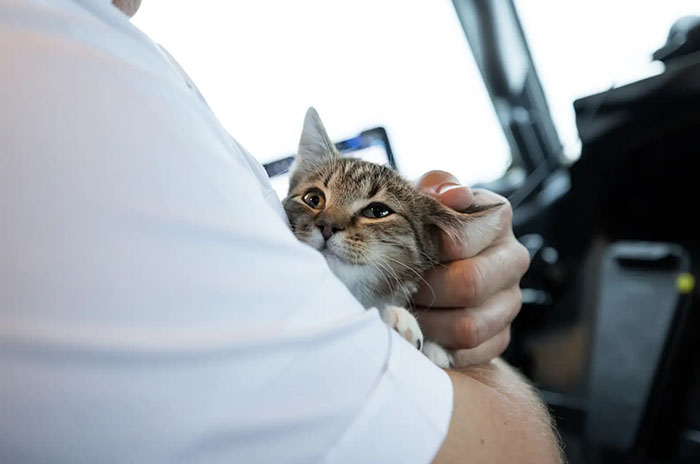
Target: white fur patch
(357, 277)
(404, 323)
(438, 355)
(315, 239)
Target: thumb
(446, 188)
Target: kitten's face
(368, 223)
(377, 231)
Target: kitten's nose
(331, 221)
(328, 230)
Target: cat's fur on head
(377, 231)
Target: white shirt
(154, 306)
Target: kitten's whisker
(399, 244)
(406, 246)
(392, 273)
(401, 287)
(418, 274)
(389, 273)
(386, 273)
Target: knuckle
(471, 283)
(522, 259)
(506, 341)
(506, 214)
(467, 335)
(518, 293)
(513, 306)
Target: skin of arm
(497, 418)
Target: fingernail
(447, 187)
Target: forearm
(497, 417)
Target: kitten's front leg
(405, 323)
(438, 355)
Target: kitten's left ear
(315, 146)
(453, 222)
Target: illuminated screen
(370, 146)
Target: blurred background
(586, 115)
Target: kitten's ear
(315, 146)
(453, 222)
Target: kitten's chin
(360, 279)
(329, 253)
(333, 251)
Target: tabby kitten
(377, 231)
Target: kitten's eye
(315, 198)
(376, 211)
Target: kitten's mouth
(331, 252)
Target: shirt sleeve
(154, 306)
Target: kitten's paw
(438, 355)
(404, 323)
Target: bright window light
(585, 47)
(402, 65)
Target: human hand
(471, 300)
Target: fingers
(457, 197)
(469, 282)
(485, 352)
(487, 197)
(471, 327)
(479, 233)
(446, 188)
(484, 265)
(432, 180)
